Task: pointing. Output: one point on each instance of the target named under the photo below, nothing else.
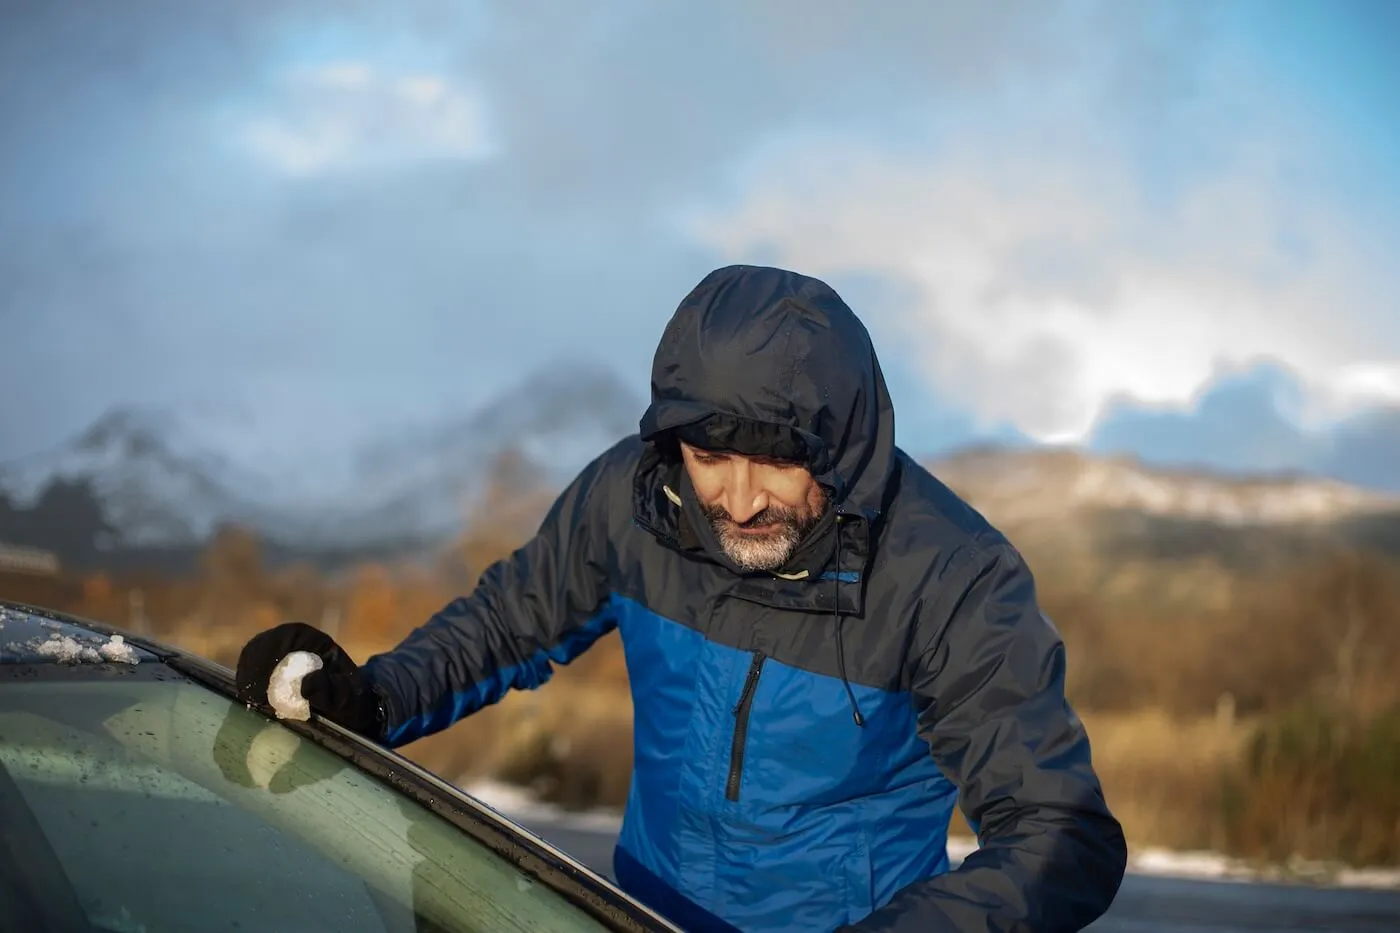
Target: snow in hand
(284, 686)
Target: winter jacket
(802, 736)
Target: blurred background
(309, 308)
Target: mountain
(1022, 485)
(1117, 524)
(153, 487)
(142, 488)
(423, 481)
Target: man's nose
(743, 498)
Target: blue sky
(1160, 227)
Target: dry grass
(571, 744)
(1162, 775)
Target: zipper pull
(749, 683)
(748, 688)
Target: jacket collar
(826, 574)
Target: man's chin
(753, 552)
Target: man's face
(760, 509)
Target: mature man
(826, 648)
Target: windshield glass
(154, 806)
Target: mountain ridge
(131, 489)
(135, 483)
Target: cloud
(343, 217)
(1048, 283)
(1061, 257)
(349, 115)
(1251, 419)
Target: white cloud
(1053, 273)
(1355, 389)
(351, 115)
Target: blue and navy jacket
(802, 736)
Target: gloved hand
(338, 691)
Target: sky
(1163, 228)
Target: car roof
(37, 638)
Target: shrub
(1318, 782)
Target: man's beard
(769, 550)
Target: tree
(233, 576)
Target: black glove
(338, 691)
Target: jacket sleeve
(987, 676)
(545, 604)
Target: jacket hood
(765, 361)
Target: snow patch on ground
(519, 805)
(1215, 866)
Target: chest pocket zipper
(741, 727)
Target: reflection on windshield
(167, 808)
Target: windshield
(147, 805)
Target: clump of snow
(68, 650)
(116, 649)
(284, 686)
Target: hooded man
(827, 649)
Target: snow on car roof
(27, 637)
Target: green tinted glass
(169, 808)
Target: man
(826, 649)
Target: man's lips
(754, 530)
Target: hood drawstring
(840, 620)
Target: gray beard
(767, 552)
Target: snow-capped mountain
(154, 487)
(148, 480)
(421, 483)
(161, 480)
(1025, 485)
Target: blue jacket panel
(768, 814)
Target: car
(139, 795)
